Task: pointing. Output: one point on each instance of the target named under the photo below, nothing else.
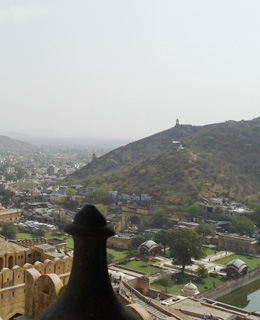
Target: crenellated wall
(31, 242)
(13, 288)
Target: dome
(190, 289)
(148, 245)
(237, 264)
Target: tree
(38, 232)
(205, 230)
(9, 230)
(135, 243)
(255, 217)
(7, 195)
(158, 218)
(102, 193)
(202, 271)
(162, 237)
(194, 210)
(20, 172)
(186, 244)
(242, 226)
(166, 281)
(70, 192)
(10, 177)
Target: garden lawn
(252, 262)
(21, 236)
(117, 253)
(202, 284)
(141, 266)
(209, 251)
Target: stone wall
(231, 285)
(12, 283)
(120, 243)
(31, 242)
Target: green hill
(217, 160)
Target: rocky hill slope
(217, 160)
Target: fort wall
(13, 289)
(231, 285)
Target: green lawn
(209, 251)
(252, 263)
(20, 236)
(24, 235)
(117, 253)
(202, 284)
(141, 266)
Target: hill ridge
(218, 160)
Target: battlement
(16, 275)
(31, 242)
(14, 290)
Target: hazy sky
(127, 68)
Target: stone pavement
(218, 255)
(210, 263)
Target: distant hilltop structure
(178, 124)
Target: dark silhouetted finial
(89, 294)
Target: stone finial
(89, 222)
(89, 294)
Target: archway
(1, 263)
(16, 315)
(10, 262)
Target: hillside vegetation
(218, 160)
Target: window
(45, 288)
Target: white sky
(126, 68)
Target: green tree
(194, 210)
(202, 271)
(20, 172)
(9, 230)
(242, 226)
(165, 281)
(135, 243)
(70, 192)
(25, 184)
(162, 237)
(10, 177)
(158, 218)
(38, 232)
(7, 196)
(205, 229)
(186, 244)
(255, 217)
(102, 193)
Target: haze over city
(126, 69)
